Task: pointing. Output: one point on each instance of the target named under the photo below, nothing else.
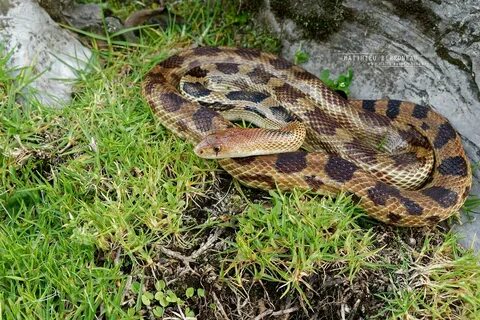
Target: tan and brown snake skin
(441, 195)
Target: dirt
(331, 295)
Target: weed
(342, 83)
(300, 56)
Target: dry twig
(275, 313)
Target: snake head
(216, 146)
(234, 143)
(246, 142)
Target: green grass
(440, 282)
(289, 240)
(99, 204)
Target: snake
(364, 148)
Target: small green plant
(301, 56)
(163, 298)
(342, 83)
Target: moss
(55, 8)
(5, 6)
(252, 6)
(417, 11)
(443, 53)
(318, 19)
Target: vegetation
(106, 214)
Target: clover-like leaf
(160, 285)
(158, 311)
(189, 292)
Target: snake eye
(216, 149)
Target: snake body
(417, 137)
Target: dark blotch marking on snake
(152, 82)
(280, 64)
(454, 166)
(381, 192)
(253, 96)
(227, 68)
(445, 134)
(313, 182)
(322, 122)
(425, 126)
(172, 62)
(304, 75)
(288, 93)
(206, 51)
(393, 217)
(259, 76)
(445, 197)
(339, 169)
(368, 105)
(172, 102)
(203, 119)
(291, 162)
(196, 89)
(420, 112)
(248, 53)
(393, 108)
(412, 207)
(197, 72)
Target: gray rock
(51, 56)
(424, 51)
(84, 16)
(55, 8)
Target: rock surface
(84, 16)
(427, 52)
(50, 55)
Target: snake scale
(434, 197)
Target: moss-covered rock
(417, 11)
(56, 7)
(317, 18)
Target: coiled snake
(370, 146)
